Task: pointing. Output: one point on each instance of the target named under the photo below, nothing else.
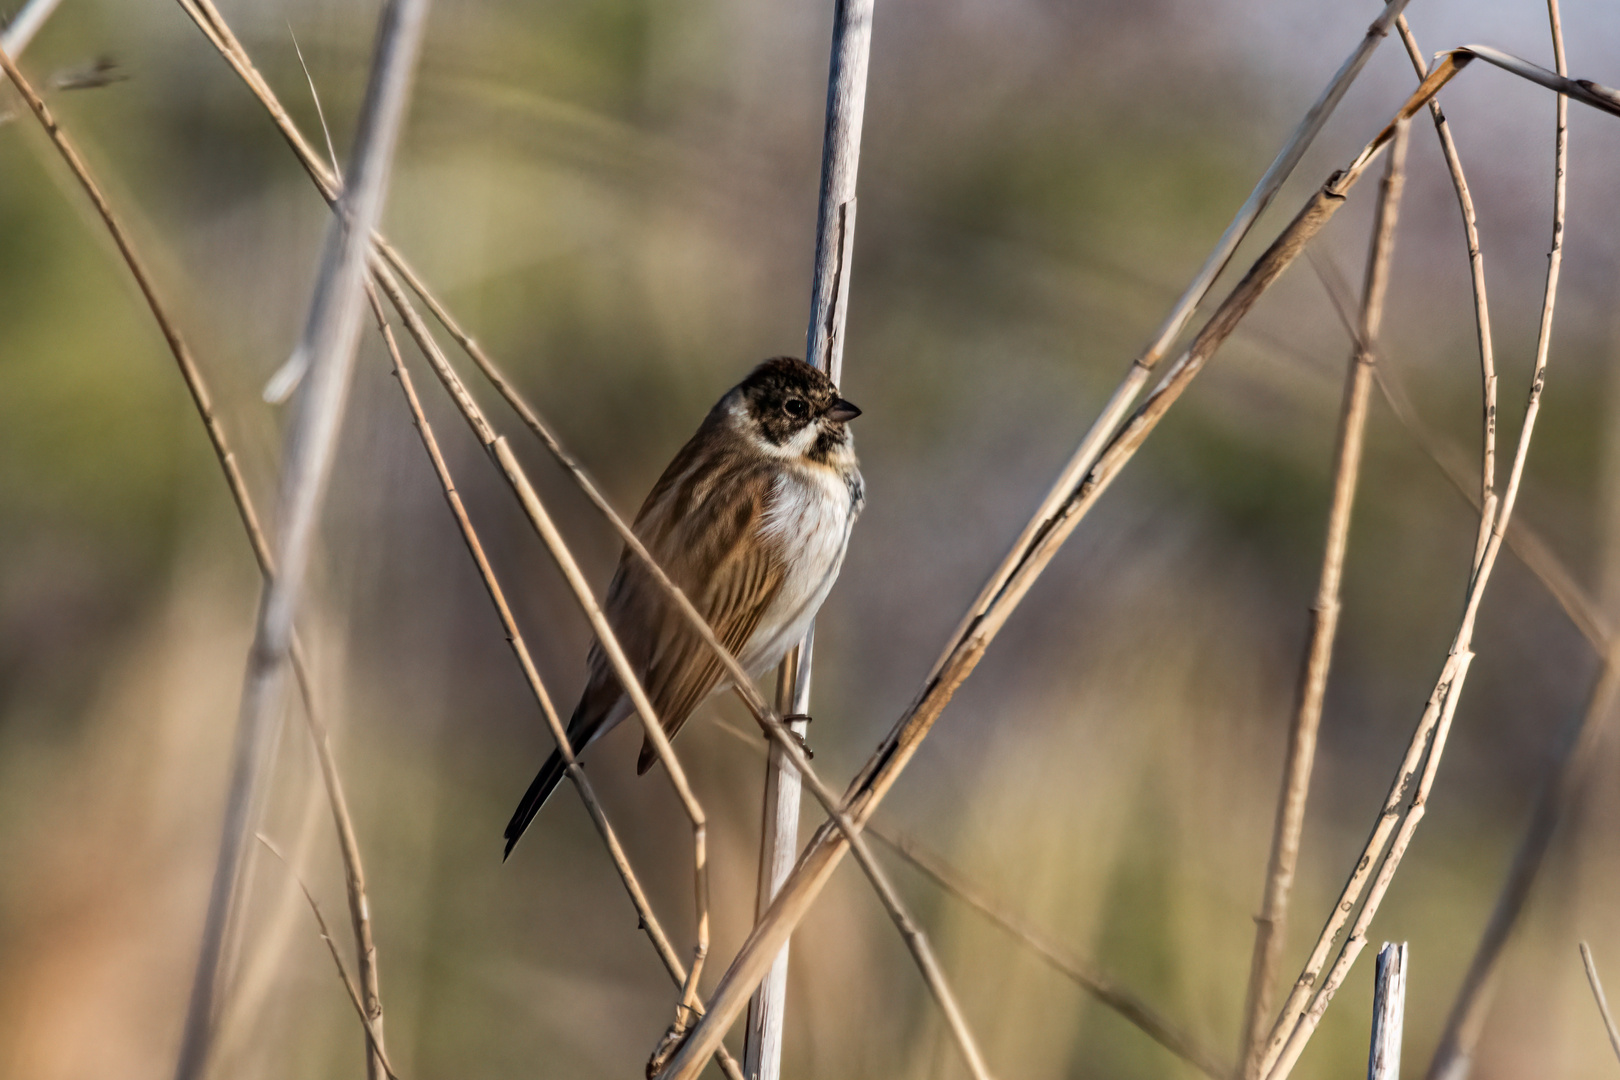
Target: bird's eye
(796, 408)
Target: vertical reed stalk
(824, 348)
(1389, 1013)
(1271, 923)
(779, 844)
(327, 347)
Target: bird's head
(789, 409)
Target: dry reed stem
(1025, 564)
(327, 349)
(1389, 1013)
(1285, 1053)
(1602, 1000)
(1600, 97)
(850, 56)
(374, 1041)
(1525, 543)
(1296, 1023)
(1531, 550)
(25, 24)
(778, 847)
(1454, 1052)
(531, 674)
(1118, 407)
(1476, 270)
(191, 375)
(354, 879)
(1271, 923)
(1467, 1011)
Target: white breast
(808, 516)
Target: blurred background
(618, 198)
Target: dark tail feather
(550, 775)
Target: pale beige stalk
(326, 350)
(1453, 1055)
(824, 348)
(1476, 271)
(1271, 923)
(1389, 1013)
(1602, 999)
(25, 24)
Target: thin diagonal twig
(1114, 413)
(367, 1021)
(1100, 986)
(1271, 923)
(1602, 1000)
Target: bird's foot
(788, 720)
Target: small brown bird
(751, 520)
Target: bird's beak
(841, 410)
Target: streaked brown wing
(714, 554)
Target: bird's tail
(545, 782)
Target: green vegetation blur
(617, 197)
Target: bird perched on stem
(751, 520)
